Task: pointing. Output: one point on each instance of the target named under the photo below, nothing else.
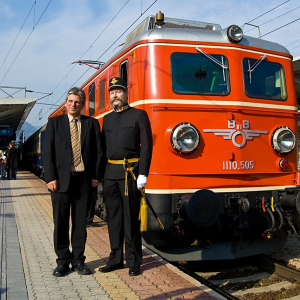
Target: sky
(41, 39)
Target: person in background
(7, 170)
(12, 161)
(1, 160)
(127, 135)
(3, 166)
(72, 164)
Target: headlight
(283, 140)
(234, 33)
(185, 138)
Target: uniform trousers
(76, 200)
(123, 222)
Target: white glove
(141, 181)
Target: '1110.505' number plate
(238, 165)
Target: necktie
(75, 143)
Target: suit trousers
(76, 200)
(123, 222)
(92, 208)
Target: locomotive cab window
(92, 99)
(198, 74)
(264, 79)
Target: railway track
(255, 278)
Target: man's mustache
(116, 99)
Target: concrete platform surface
(28, 258)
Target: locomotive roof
(184, 30)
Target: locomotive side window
(92, 99)
(102, 94)
(198, 74)
(264, 79)
(124, 69)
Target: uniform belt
(127, 168)
(121, 162)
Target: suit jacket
(58, 150)
(127, 135)
(12, 158)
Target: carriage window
(39, 143)
(264, 79)
(197, 74)
(92, 99)
(102, 93)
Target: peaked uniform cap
(117, 82)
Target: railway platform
(28, 258)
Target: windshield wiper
(252, 68)
(221, 64)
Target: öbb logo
(235, 130)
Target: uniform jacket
(127, 135)
(58, 151)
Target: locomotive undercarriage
(238, 224)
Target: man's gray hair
(77, 92)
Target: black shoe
(82, 269)
(61, 271)
(109, 268)
(134, 271)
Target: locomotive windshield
(198, 74)
(265, 80)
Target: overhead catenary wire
(26, 41)
(268, 11)
(142, 13)
(293, 43)
(276, 18)
(89, 48)
(54, 105)
(280, 27)
(34, 3)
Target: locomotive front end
(224, 178)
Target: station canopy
(14, 111)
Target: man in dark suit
(128, 135)
(72, 162)
(12, 161)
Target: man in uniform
(72, 161)
(128, 140)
